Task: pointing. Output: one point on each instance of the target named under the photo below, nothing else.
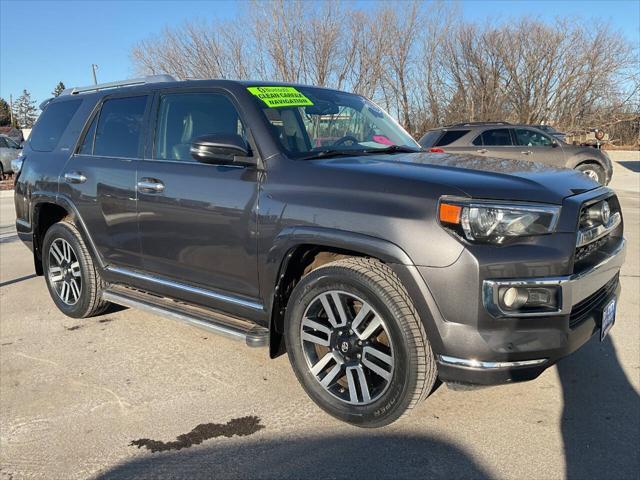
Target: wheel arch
(573, 163)
(299, 250)
(48, 210)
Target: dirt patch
(241, 427)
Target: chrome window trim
(187, 288)
(570, 286)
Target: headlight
(489, 222)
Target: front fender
(290, 239)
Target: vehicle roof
(165, 85)
(471, 126)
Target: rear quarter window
(429, 138)
(450, 136)
(52, 124)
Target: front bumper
(500, 348)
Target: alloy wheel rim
(592, 174)
(64, 271)
(347, 347)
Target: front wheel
(593, 171)
(356, 343)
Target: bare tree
(419, 60)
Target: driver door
(197, 221)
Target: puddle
(241, 427)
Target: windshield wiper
(392, 149)
(353, 153)
(331, 153)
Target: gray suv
(518, 142)
(307, 220)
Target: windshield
(311, 121)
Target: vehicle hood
(477, 177)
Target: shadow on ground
(600, 427)
(601, 415)
(359, 455)
(632, 165)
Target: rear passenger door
(100, 178)
(496, 143)
(198, 226)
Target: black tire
(89, 302)
(414, 372)
(594, 171)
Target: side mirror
(221, 148)
(555, 144)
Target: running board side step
(253, 335)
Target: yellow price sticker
(276, 97)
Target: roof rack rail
(473, 124)
(119, 84)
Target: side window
(499, 137)
(87, 144)
(3, 143)
(532, 138)
(430, 138)
(185, 116)
(119, 130)
(52, 124)
(450, 137)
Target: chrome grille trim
(585, 237)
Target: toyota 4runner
(307, 220)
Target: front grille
(586, 250)
(585, 223)
(581, 310)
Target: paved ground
(74, 395)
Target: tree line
(23, 112)
(420, 60)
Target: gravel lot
(131, 395)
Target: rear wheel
(356, 343)
(74, 284)
(593, 171)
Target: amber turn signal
(450, 213)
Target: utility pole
(94, 67)
(11, 108)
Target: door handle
(482, 150)
(150, 185)
(528, 152)
(74, 177)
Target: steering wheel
(345, 139)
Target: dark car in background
(518, 142)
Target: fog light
(514, 298)
(528, 299)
